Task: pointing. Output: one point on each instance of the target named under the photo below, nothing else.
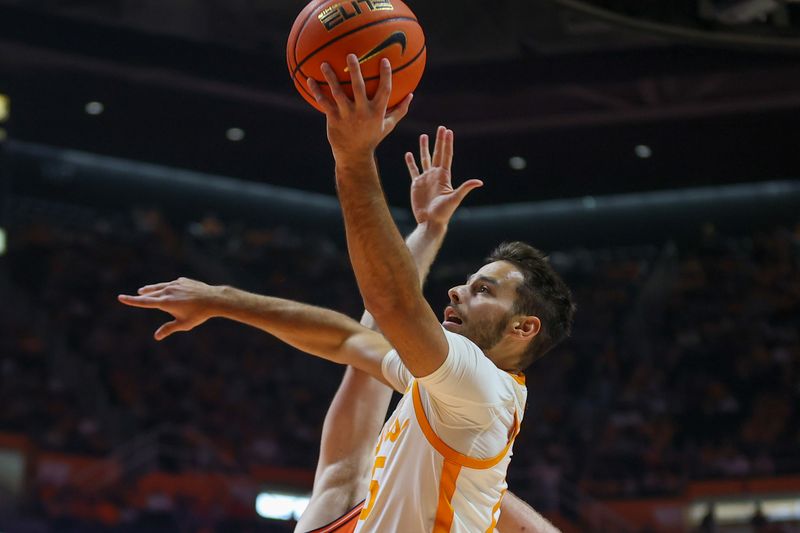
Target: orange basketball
(327, 30)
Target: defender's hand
(433, 199)
(356, 127)
(190, 303)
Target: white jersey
(441, 459)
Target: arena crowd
(684, 363)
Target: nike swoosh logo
(397, 37)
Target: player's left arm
(516, 516)
(384, 269)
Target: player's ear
(526, 327)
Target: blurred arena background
(651, 147)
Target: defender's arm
(314, 330)
(516, 516)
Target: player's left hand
(357, 126)
(433, 199)
(190, 302)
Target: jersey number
(374, 486)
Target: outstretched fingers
(466, 188)
(147, 289)
(381, 99)
(438, 146)
(147, 301)
(339, 96)
(424, 152)
(168, 329)
(357, 80)
(447, 149)
(327, 105)
(413, 170)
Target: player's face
(482, 309)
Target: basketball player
(359, 407)
(441, 461)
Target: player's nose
(454, 295)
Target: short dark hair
(543, 294)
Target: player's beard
(486, 333)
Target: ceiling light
(643, 151)
(235, 134)
(95, 108)
(518, 163)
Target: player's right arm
(314, 330)
(384, 269)
(358, 409)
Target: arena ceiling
(590, 97)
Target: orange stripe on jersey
(447, 487)
(449, 453)
(496, 508)
(519, 378)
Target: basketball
(326, 31)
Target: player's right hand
(189, 302)
(357, 126)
